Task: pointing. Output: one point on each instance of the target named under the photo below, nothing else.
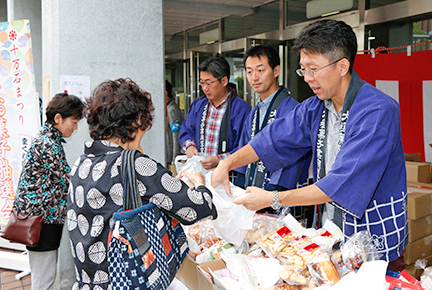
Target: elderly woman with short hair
(119, 113)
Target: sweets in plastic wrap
(322, 269)
(359, 249)
(276, 241)
(203, 234)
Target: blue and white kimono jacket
(286, 177)
(368, 178)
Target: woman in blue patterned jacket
(44, 183)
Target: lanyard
(256, 172)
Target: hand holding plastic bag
(234, 221)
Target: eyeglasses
(208, 84)
(311, 72)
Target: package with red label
(275, 241)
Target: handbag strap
(131, 196)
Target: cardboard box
(425, 187)
(419, 228)
(419, 249)
(188, 275)
(195, 276)
(412, 157)
(414, 271)
(205, 282)
(418, 171)
(419, 205)
(172, 168)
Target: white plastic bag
(192, 164)
(234, 221)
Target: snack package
(359, 249)
(203, 234)
(323, 269)
(262, 224)
(276, 241)
(214, 252)
(294, 260)
(293, 276)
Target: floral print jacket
(45, 172)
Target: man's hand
(255, 198)
(220, 176)
(210, 162)
(191, 151)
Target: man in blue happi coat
(262, 65)
(354, 132)
(213, 123)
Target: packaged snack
(203, 233)
(292, 276)
(322, 269)
(359, 249)
(294, 260)
(275, 241)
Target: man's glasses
(311, 72)
(208, 83)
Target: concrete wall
(3, 11)
(107, 40)
(104, 39)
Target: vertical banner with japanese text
(19, 107)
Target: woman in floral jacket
(44, 183)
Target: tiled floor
(8, 281)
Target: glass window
(378, 3)
(203, 35)
(264, 19)
(399, 34)
(174, 43)
(3, 10)
(298, 11)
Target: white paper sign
(76, 85)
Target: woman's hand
(255, 198)
(196, 178)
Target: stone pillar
(105, 39)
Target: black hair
(66, 105)
(118, 109)
(168, 88)
(263, 50)
(333, 39)
(217, 66)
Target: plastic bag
(323, 269)
(426, 276)
(359, 249)
(234, 221)
(191, 165)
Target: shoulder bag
(146, 247)
(24, 228)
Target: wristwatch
(276, 204)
